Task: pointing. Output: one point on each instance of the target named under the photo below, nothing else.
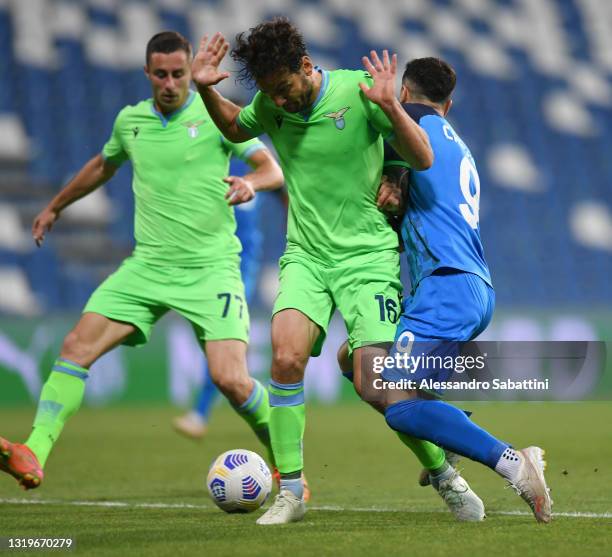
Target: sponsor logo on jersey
(192, 128)
(338, 117)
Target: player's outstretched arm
(267, 175)
(94, 173)
(205, 74)
(411, 141)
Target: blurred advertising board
(169, 368)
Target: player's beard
(305, 100)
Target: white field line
(333, 508)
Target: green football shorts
(366, 290)
(211, 298)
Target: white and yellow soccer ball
(239, 481)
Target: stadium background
(533, 102)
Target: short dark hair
(270, 47)
(430, 77)
(167, 42)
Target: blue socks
(207, 397)
(446, 426)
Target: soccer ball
(239, 481)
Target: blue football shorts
(447, 308)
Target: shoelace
(526, 495)
(530, 497)
(519, 491)
(280, 502)
(450, 493)
(453, 497)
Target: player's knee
(404, 417)
(288, 365)
(393, 420)
(76, 349)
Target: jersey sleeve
(376, 116)
(416, 111)
(113, 150)
(244, 151)
(392, 158)
(250, 117)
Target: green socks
(430, 456)
(278, 423)
(60, 398)
(287, 422)
(256, 412)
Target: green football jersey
(179, 161)
(332, 159)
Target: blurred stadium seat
(533, 101)
(16, 297)
(12, 237)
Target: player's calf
(344, 360)
(236, 387)
(228, 369)
(450, 428)
(92, 336)
(77, 349)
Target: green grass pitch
(122, 483)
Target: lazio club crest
(192, 128)
(338, 117)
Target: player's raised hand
(383, 73)
(205, 65)
(240, 190)
(43, 223)
(389, 198)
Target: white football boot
(460, 499)
(286, 508)
(190, 425)
(451, 457)
(530, 484)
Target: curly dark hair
(269, 47)
(430, 77)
